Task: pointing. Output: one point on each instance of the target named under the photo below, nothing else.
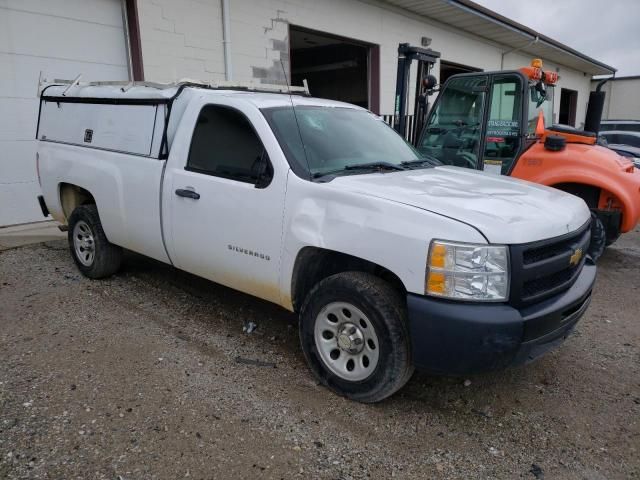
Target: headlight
(465, 271)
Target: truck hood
(505, 210)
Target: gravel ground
(150, 375)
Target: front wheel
(354, 335)
(611, 225)
(613, 234)
(94, 256)
(598, 237)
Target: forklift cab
(485, 121)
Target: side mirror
(429, 83)
(542, 93)
(263, 171)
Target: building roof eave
(480, 21)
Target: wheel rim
(346, 341)
(83, 243)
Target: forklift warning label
(503, 128)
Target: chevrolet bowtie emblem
(575, 257)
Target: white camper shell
(121, 117)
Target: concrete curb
(29, 233)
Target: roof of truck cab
(163, 93)
(269, 100)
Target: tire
(613, 234)
(378, 313)
(598, 238)
(94, 256)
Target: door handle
(183, 192)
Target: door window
(503, 134)
(453, 132)
(224, 144)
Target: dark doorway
(568, 106)
(337, 68)
(448, 69)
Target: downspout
(507, 52)
(127, 39)
(226, 40)
(131, 24)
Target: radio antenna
(295, 116)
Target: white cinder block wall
(183, 38)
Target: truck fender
(359, 232)
(610, 196)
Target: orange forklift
(495, 122)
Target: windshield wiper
(432, 162)
(375, 166)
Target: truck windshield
(338, 140)
(537, 103)
(453, 132)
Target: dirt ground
(150, 375)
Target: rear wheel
(354, 334)
(94, 256)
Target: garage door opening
(335, 67)
(448, 69)
(568, 107)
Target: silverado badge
(575, 257)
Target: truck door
(453, 133)
(223, 197)
(505, 128)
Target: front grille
(542, 269)
(543, 252)
(537, 286)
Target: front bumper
(450, 337)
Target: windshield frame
(305, 172)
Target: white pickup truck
(392, 261)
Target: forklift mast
(426, 58)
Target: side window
(224, 144)
(503, 134)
